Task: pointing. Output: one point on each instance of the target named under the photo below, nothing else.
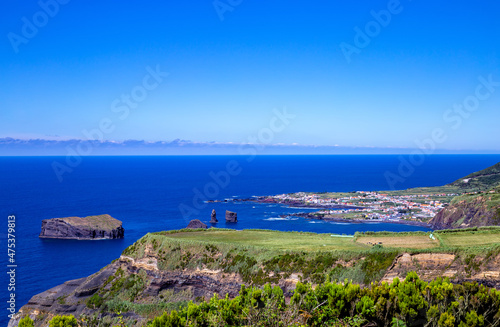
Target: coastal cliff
(470, 210)
(164, 271)
(87, 228)
(126, 278)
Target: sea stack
(196, 224)
(213, 218)
(99, 227)
(231, 217)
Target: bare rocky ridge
(88, 228)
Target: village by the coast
(365, 205)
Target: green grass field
(261, 256)
(471, 239)
(274, 240)
(293, 241)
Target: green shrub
(95, 302)
(63, 321)
(26, 322)
(403, 303)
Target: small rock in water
(213, 218)
(231, 217)
(195, 224)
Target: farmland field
(409, 241)
(274, 240)
(466, 239)
(294, 241)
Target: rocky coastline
(319, 216)
(292, 204)
(315, 216)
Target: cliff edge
(470, 210)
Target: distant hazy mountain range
(55, 146)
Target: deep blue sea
(146, 192)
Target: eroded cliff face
(484, 270)
(73, 296)
(156, 272)
(468, 213)
(88, 228)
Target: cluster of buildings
(370, 205)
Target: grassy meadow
(311, 242)
(273, 240)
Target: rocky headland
(470, 210)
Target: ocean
(155, 193)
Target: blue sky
(226, 76)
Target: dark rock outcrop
(195, 224)
(213, 217)
(231, 217)
(88, 228)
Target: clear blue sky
(225, 77)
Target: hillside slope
(469, 210)
(481, 180)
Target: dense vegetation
(229, 251)
(408, 302)
(411, 302)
